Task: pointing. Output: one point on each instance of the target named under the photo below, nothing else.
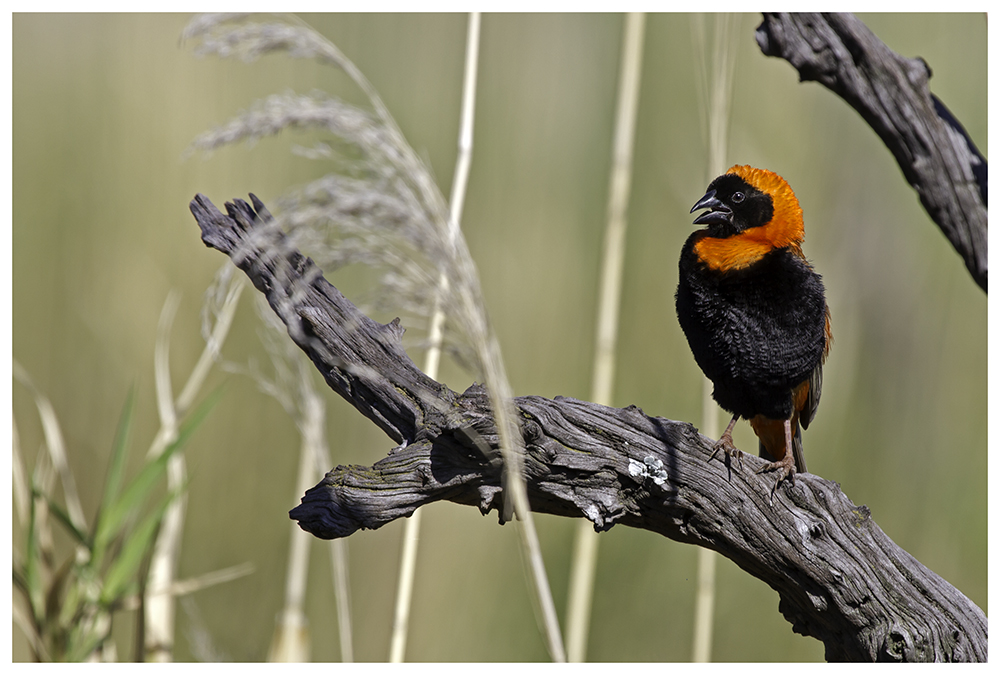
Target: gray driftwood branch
(892, 94)
(839, 577)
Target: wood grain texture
(893, 95)
(839, 577)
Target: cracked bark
(839, 577)
(892, 94)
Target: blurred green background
(104, 107)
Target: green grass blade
(124, 570)
(60, 514)
(135, 493)
(198, 416)
(119, 452)
(32, 563)
(83, 641)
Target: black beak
(720, 213)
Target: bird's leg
(786, 465)
(725, 442)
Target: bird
(755, 315)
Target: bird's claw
(785, 468)
(726, 444)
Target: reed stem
(584, 563)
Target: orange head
(752, 211)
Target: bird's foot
(785, 468)
(726, 444)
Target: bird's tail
(800, 456)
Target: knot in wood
(817, 530)
(531, 431)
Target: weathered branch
(892, 94)
(840, 578)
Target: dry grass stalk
(55, 446)
(411, 531)
(584, 563)
(160, 605)
(382, 209)
(714, 96)
(292, 385)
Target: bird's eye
(738, 197)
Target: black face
(735, 206)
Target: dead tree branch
(839, 577)
(892, 94)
